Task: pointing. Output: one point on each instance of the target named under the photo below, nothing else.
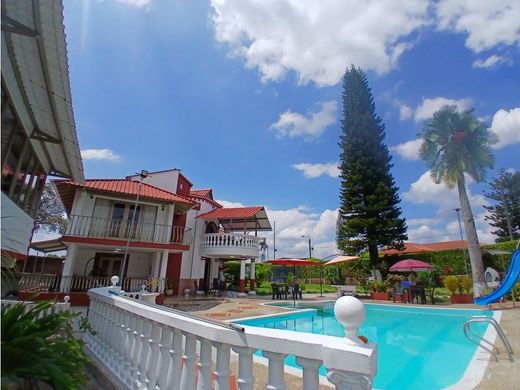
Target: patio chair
(296, 291)
(275, 291)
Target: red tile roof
(205, 193)
(411, 247)
(119, 186)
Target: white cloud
(405, 112)
(429, 106)
(311, 126)
(487, 23)
(506, 124)
(316, 170)
(317, 39)
(408, 150)
(99, 154)
(136, 3)
(489, 62)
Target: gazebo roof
(240, 218)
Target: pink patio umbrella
(410, 265)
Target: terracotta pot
(461, 298)
(381, 296)
(159, 299)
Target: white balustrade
(149, 347)
(230, 244)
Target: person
(405, 286)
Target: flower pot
(381, 296)
(461, 298)
(169, 293)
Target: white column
(164, 264)
(164, 356)
(175, 366)
(252, 278)
(188, 368)
(222, 366)
(156, 264)
(204, 365)
(68, 267)
(242, 278)
(245, 378)
(310, 372)
(275, 370)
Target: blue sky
(245, 97)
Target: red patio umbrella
(410, 265)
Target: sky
(245, 98)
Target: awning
(240, 218)
(48, 246)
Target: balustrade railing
(229, 240)
(52, 283)
(145, 346)
(95, 227)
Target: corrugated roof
(41, 69)
(240, 218)
(118, 186)
(411, 247)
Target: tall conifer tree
(369, 214)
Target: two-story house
(155, 227)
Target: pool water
(419, 348)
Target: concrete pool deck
(498, 375)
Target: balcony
(106, 228)
(229, 245)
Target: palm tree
(457, 143)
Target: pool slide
(507, 284)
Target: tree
(369, 215)
(455, 144)
(51, 214)
(505, 214)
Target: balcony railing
(229, 244)
(106, 228)
(147, 346)
(54, 283)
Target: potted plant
(379, 291)
(169, 288)
(460, 288)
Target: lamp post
(462, 238)
(142, 176)
(321, 268)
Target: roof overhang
(36, 75)
(48, 246)
(240, 219)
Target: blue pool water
(419, 348)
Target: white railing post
(129, 339)
(153, 352)
(245, 378)
(164, 356)
(144, 346)
(136, 343)
(204, 365)
(175, 366)
(188, 367)
(275, 370)
(222, 370)
(310, 372)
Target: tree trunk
(475, 255)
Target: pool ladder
(482, 342)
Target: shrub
(452, 283)
(466, 283)
(377, 286)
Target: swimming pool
(419, 348)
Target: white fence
(145, 346)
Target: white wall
(16, 227)
(166, 180)
(195, 270)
